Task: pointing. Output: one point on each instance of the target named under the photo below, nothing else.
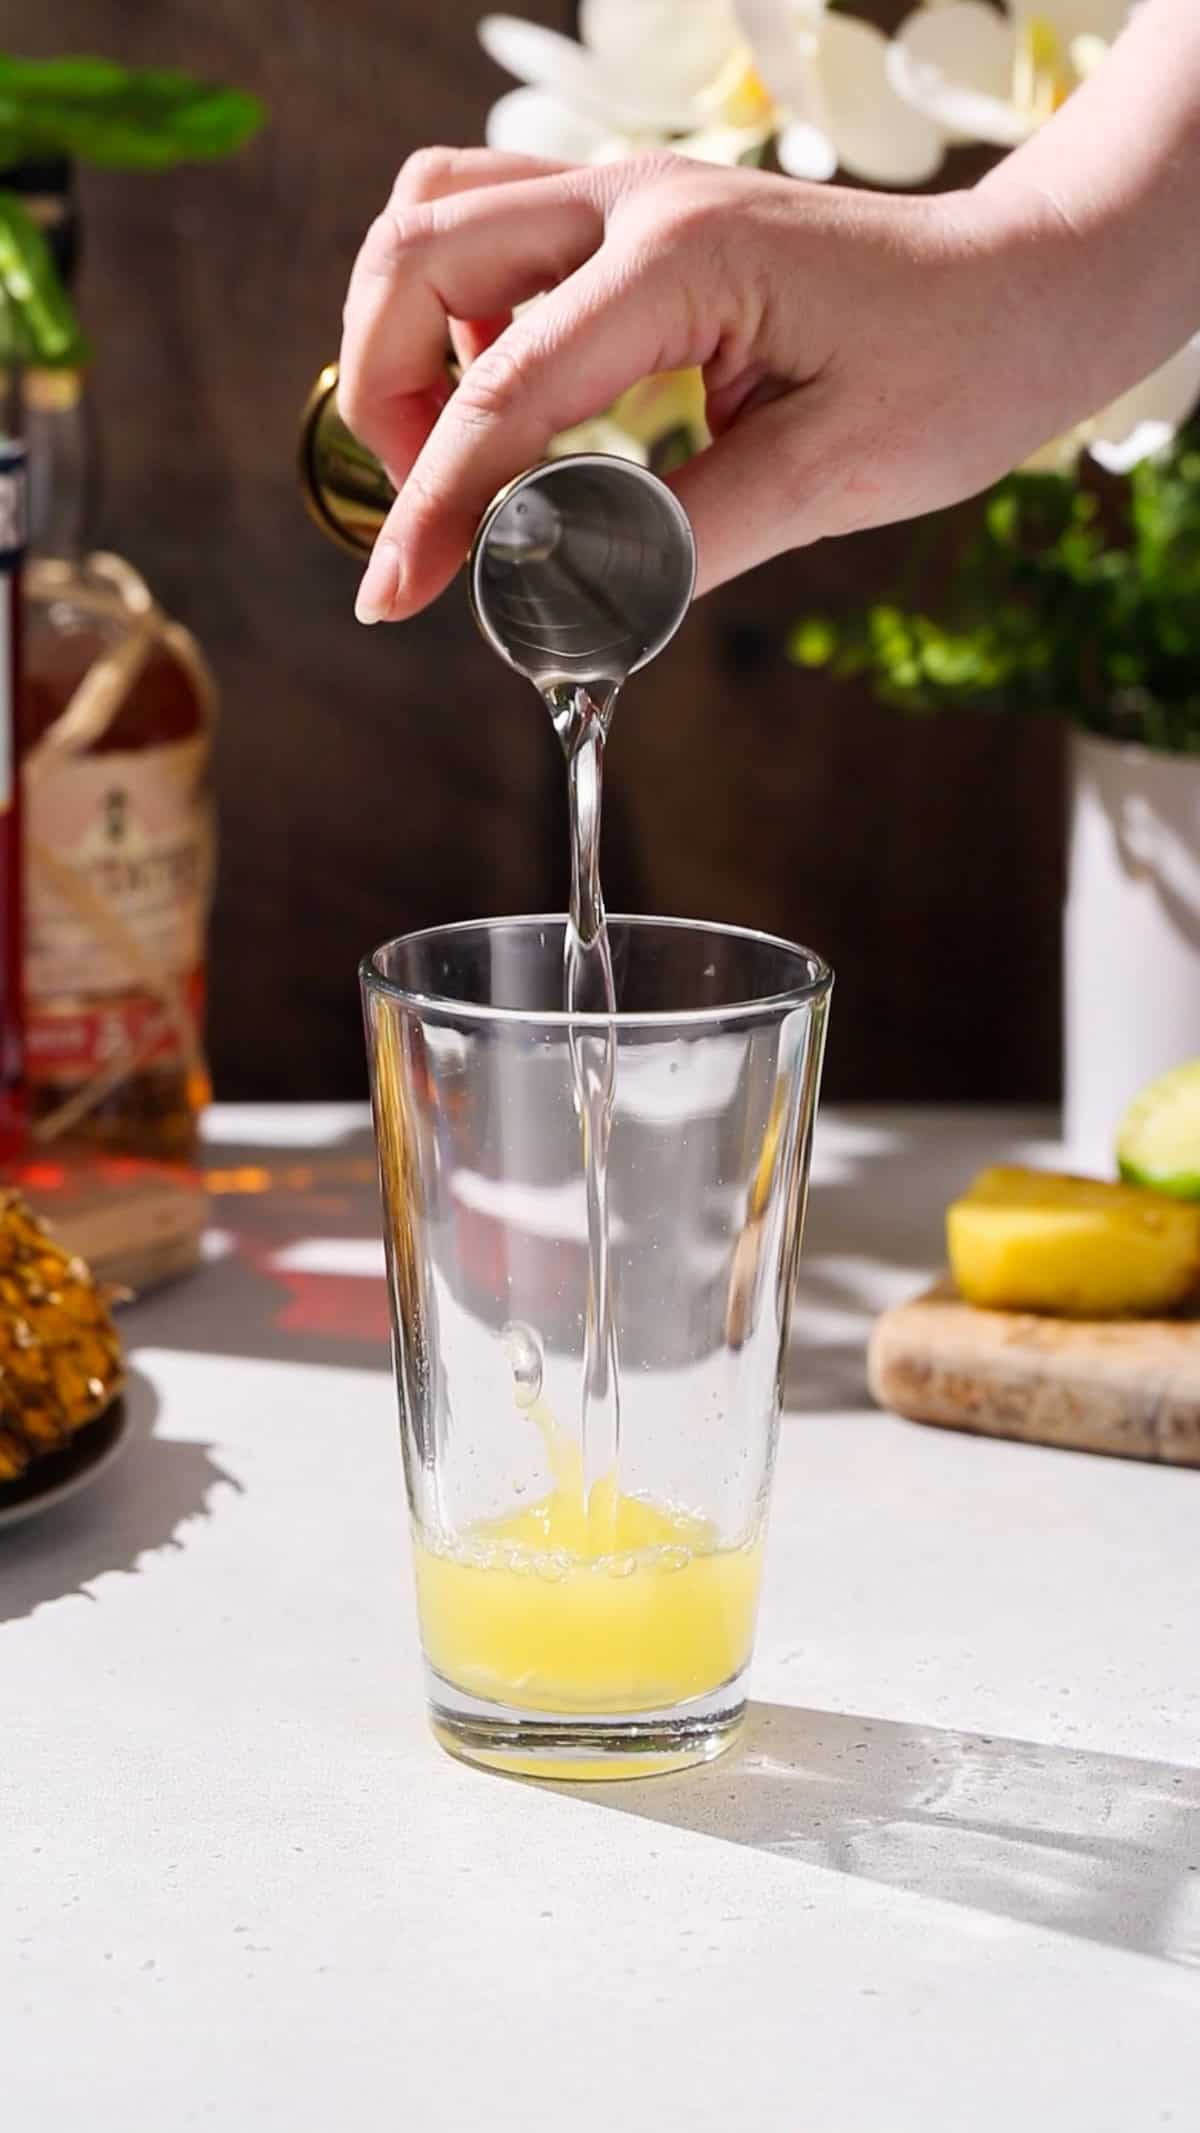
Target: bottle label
(12, 544)
(119, 876)
(7, 705)
(12, 504)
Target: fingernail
(380, 583)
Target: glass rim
(764, 1006)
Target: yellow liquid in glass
(609, 1607)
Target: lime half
(1158, 1142)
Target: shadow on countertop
(295, 1267)
(1104, 1847)
(137, 1506)
(255, 1295)
(294, 1260)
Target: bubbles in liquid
(525, 1360)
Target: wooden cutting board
(1124, 1386)
(136, 1222)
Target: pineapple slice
(1030, 1240)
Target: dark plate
(56, 1476)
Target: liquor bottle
(12, 537)
(116, 720)
(114, 726)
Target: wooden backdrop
(374, 780)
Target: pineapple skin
(60, 1355)
(1028, 1240)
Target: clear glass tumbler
(583, 1619)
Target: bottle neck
(46, 186)
(13, 357)
(61, 445)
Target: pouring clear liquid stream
(581, 718)
(593, 1599)
(580, 574)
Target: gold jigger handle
(344, 487)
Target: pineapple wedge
(1030, 1240)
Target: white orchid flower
(997, 77)
(717, 79)
(986, 76)
(1142, 422)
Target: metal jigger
(581, 571)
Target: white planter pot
(1131, 942)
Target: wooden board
(1127, 1387)
(136, 1223)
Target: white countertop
(952, 1883)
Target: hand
(866, 357)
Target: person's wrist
(1036, 279)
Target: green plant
(126, 119)
(1063, 601)
(39, 324)
(94, 111)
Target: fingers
(613, 322)
(396, 321)
(629, 283)
(439, 173)
(435, 173)
(468, 257)
(470, 336)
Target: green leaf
(1001, 517)
(813, 642)
(103, 113)
(673, 450)
(50, 332)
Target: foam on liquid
(529, 1611)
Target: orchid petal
(544, 60)
(1145, 441)
(804, 151)
(955, 64)
(620, 146)
(783, 39)
(1060, 456)
(877, 136)
(729, 145)
(541, 57)
(1070, 19)
(785, 45)
(528, 122)
(1087, 53)
(1145, 419)
(676, 48)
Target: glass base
(586, 1749)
